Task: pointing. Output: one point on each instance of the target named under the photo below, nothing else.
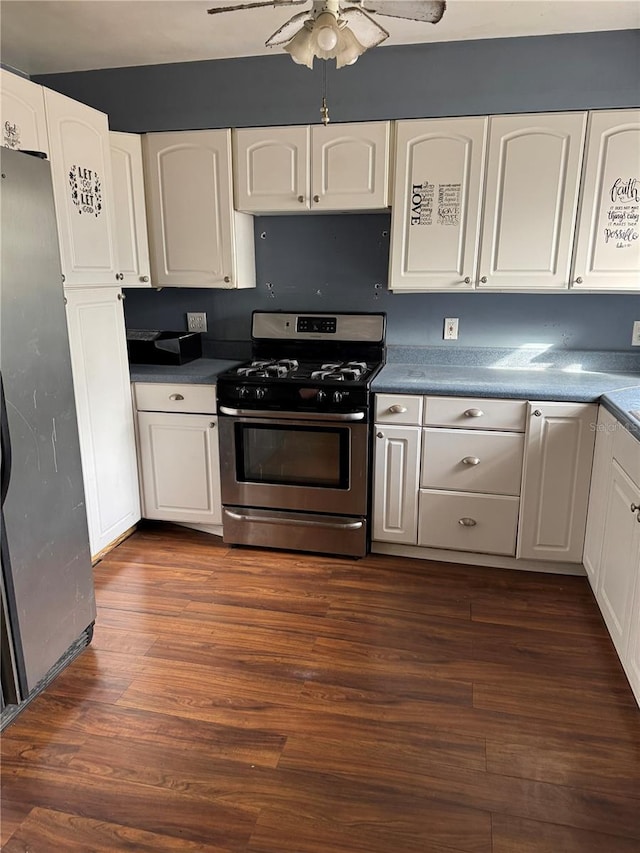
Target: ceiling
(78, 35)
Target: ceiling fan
(339, 29)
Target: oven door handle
(298, 416)
(346, 525)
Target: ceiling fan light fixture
(326, 32)
(349, 48)
(301, 48)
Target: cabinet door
(105, 414)
(555, 485)
(132, 247)
(607, 253)
(396, 481)
(192, 226)
(436, 204)
(598, 492)
(24, 126)
(632, 659)
(83, 191)
(350, 166)
(179, 467)
(531, 199)
(271, 169)
(620, 560)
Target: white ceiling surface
(79, 35)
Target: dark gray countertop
(202, 371)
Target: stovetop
(293, 370)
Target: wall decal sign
(446, 202)
(86, 190)
(11, 134)
(622, 213)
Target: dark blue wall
(335, 262)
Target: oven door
(289, 463)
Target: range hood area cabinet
(486, 203)
(22, 115)
(196, 237)
(335, 168)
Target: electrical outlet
(635, 335)
(197, 321)
(450, 329)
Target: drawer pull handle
(379, 435)
(467, 522)
(471, 460)
(538, 413)
(212, 424)
(634, 507)
(473, 413)
(397, 409)
(176, 397)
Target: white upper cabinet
(83, 191)
(341, 167)
(24, 126)
(436, 203)
(196, 238)
(271, 169)
(607, 252)
(530, 202)
(131, 218)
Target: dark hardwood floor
(268, 702)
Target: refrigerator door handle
(5, 440)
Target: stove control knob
(261, 393)
(321, 396)
(338, 396)
(243, 392)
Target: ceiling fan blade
(414, 10)
(239, 6)
(368, 32)
(287, 31)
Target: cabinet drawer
(475, 413)
(626, 449)
(399, 409)
(158, 397)
(472, 461)
(491, 522)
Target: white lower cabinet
(612, 548)
(555, 482)
(178, 453)
(105, 414)
(494, 476)
(396, 480)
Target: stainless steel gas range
(295, 433)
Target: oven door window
(293, 455)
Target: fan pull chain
(324, 109)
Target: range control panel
(326, 325)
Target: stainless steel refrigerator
(48, 603)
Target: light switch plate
(635, 337)
(450, 332)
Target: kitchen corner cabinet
(83, 191)
(435, 215)
(22, 115)
(132, 247)
(178, 452)
(607, 252)
(340, 167)
(612, 545)
(555, 483)
(526, 206)
(102, 388)
(396, 473)
(196, 237)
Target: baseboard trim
(95, 558)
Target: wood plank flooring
(246, 701)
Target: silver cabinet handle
(538, 413)
(483, 280)
(379, 435)
(227, 279)
(301, 199)
(578, 280)
(119, 276)
(473, 413)
(212, 424)
(176, 397)
(144, 278)
(467, 280)
(397, 409)
(471, 460)
(467, 522)
(121, 296)
(634, 507)
(316, 198)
